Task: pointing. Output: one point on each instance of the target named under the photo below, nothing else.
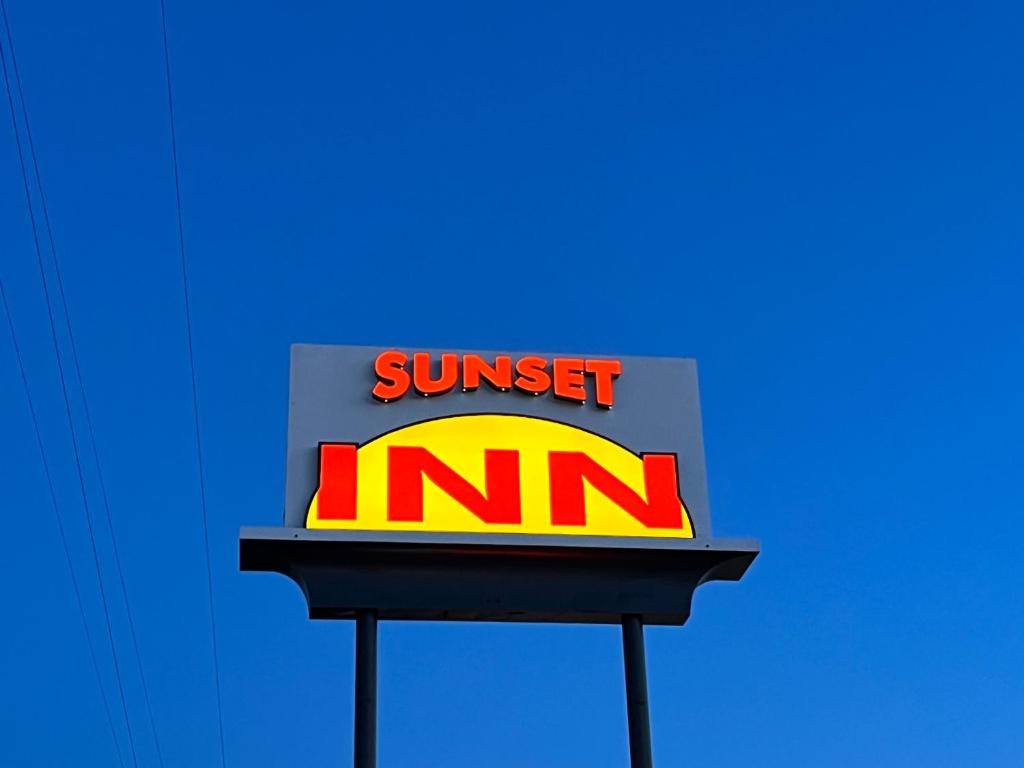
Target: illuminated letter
(568, 469)
(421, 374)
(475, 367)
(408, 465)
(605, 371)
(394, 379)
(569, 379)
(532, 379)
(336, 496)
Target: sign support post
(637, 709)
(365, 740)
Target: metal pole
(365, 747)
(636, 692)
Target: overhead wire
(192, 370)
(60, 524)
(81, 382)
(67, 408)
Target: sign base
(489, 577)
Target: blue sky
(821, 203)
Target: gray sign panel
(656, 410)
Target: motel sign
(492, 486)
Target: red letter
(605, 371)
(408, 465)
(394, 379)
(336, 496)
(568, 469)
(499, 376)
(421, 374)
(569, 379)
(532, 378)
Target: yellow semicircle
(460, 442)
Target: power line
(60, 524)
(67, 408)
(81, 382)
(192, 369)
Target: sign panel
(434, 440)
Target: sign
(428, 482)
